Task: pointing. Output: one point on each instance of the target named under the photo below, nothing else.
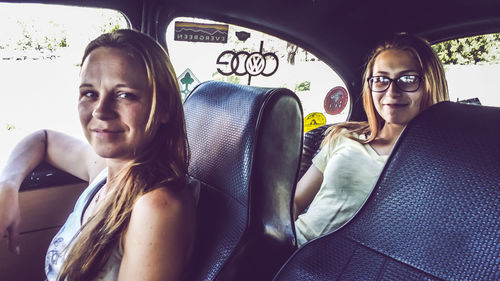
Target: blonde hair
(162, 163)
(435, 87)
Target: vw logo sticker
(243, 63)
(255, 64)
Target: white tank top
(58, 249)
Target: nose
(393, 90)
(103, 110)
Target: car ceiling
(340, 32)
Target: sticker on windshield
(335, 100)
(313, 121)
(200, 32)
(243, 63)
(187, 82)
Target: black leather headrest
(245, 147)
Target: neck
(114, 166)
(390, 132)
(386, 138)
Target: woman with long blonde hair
(403, 77)
(136, 219)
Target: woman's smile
(396, 105)
(107, 134)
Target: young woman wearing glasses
(403, 76)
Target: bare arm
(73, 155)
(62, 151)
(307, 187)
(23, 159)
(160, 237)
(28, 153)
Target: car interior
(434, 212)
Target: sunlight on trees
(42, 31)
(471, 50)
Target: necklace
(98, 194)
(92, 206)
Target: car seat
(312, 146)
(245, 145)
(434, 213)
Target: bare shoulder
(164, 212)
(161, 231)
(164, 201)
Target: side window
(40, 51)
(204, 50)
(472, 66)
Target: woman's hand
(10, 216)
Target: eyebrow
(86, 85)
(399, 73)
(89, 85)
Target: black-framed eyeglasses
(405, 83)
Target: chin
(108, 152)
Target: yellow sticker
(313, 121)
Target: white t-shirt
(350, 170)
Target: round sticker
(335, 100)
(313, 121)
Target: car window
(203, 50)
(40, 51)
(472, 66)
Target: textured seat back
(312, 146)
(434, 213)
(245, 147)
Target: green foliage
(32, 38)
(470, 50)
(112, 24)
(51, 43)
(304, 86)
(41, 35)
(231, 78)
(63, 42)
(25, 40)
(10, 127)
(110, 27)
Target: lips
(106, 133)
(396, 105)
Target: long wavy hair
(162, 163)
(435, 90)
